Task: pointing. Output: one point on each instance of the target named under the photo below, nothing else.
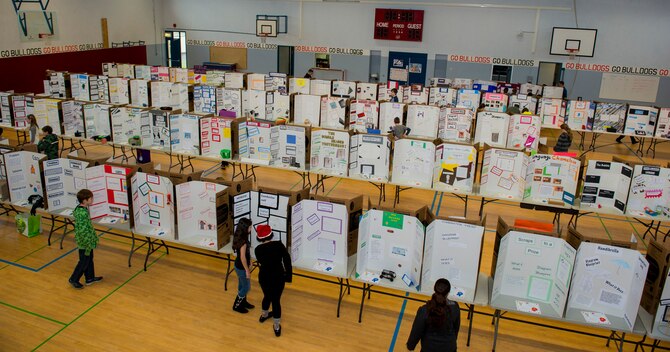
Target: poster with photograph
(455, 168)
(153, 205)
(369, 157)
(329, 152)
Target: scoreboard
(393, 24)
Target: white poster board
(254, 104)
(455, 166)
(663, 129)
(532, 89)
(462, 83)
(333, 112)
(492, 129)
(319, 237)
(98, 87)
(524, 132)
(503, 174)
(329, 152)
(468, 98)
(184, 133)
(48, 113)
(609, 117)
(258, 136)
(607, 286)
(452, 251)
(139, 92)
(524, 101)
(533, 274)
(287, 146)
(96, 120)
(153, 205)
(649, 192)
(73, 118)
(661, 325)
(22, 106)
(606, 186)
(423, 120)
(413, 162)
(234, 80)
(552, 92)
(299, 85)
(180, 99)
(552, 179)
(389, 249)
(455, 125)
(5, 109)
(79, 86)
(641, 120)
(110, 193)
(216, 137)
(366, 91)
(320, 87)
(126, 123)
(387, 113)
(24, 176)
(158, 134)
(229, 99)
(495, 102)
(160, 73)
(143, 72)
(204, 99)
(161, 94)
(345, 89)
(63, 178)
(415, 94)
(278, 106)
(197, 220)
(263, 208)
(118, 91)
(552, 112)
(306, 109)
(442, 96)
(256, 81)
(369, 157)
(580, 115)
(363, 115)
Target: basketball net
(572, 54)
(263, 37)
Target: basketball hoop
(572, 53)
(263, 37)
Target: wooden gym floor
(180, 304)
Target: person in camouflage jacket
(86, 239)
(49, 144)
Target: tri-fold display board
(495, 102)
(363, 115)
(319, 237)
(641, 120)
(329, 152)
(552, 112)
(111, 201)
(126, 123)
(455, 125)
(552, 179)
(452, 251)
(663, 129)
(216, 137)
(96, 120)
(609, 117)
(580, 115)
(24, 175)
(524, 132)
(307, 109)
(48, 112)
(333, 112)
(73, 118)
(533, 274)
(455, 166)
(524, 101)
(649, 192)
(503, 174)
(492, 129)
(204, 99)
(413, 162)
(390, 248)
(63, 178)
(203, 214)
(468, 98)
(184, 133)
(369, 157)
(442, 96)
(153, 206)
(607, 286)
(388, 112)
(423, 120)
(606, 186)
(139, 92)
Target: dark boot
(246, 304)
(238, 306)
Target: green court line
(96, 303)
(639, 239)
(605, 227)
(336, 183)
(16, 260)
(295, 184)
(634, 153)
(32, 313)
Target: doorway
(407, 68)
(175, 45)
(285, 57)
(501, 73)
(550, 73)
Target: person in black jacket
(274, 271)
(564, 139)
(437, 322)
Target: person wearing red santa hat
(274, 271)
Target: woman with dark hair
(564, 140)
(274, 272)
(242, 264)
(437, 322)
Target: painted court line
(398, 323)
(96, 303)
(32, 313)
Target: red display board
(393, 24)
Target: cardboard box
(606, 286)
(179, 177)
(453, 250)
(423, 212)
(532, 274)
(503, 229)
(658, 257)
(575, 238)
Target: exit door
(550, 73)
(175, 45)
(407, 68)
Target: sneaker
(93, 280)
(263, 319)
(247, 305)
(76, 284)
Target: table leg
(360, 312)
(228, 271)
(496, 319)
(471, 317)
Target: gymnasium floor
(179, 304)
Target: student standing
(437, 322)
(274, 271)
(394, 95)
(87, 240)
(399, 131)
(49, 143)
(32, 124)
(564, 139)
(242, 264)
(309, 74)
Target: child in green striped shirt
(87, 240)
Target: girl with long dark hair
(437, 322)
(242, 264)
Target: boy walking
(86, 239)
